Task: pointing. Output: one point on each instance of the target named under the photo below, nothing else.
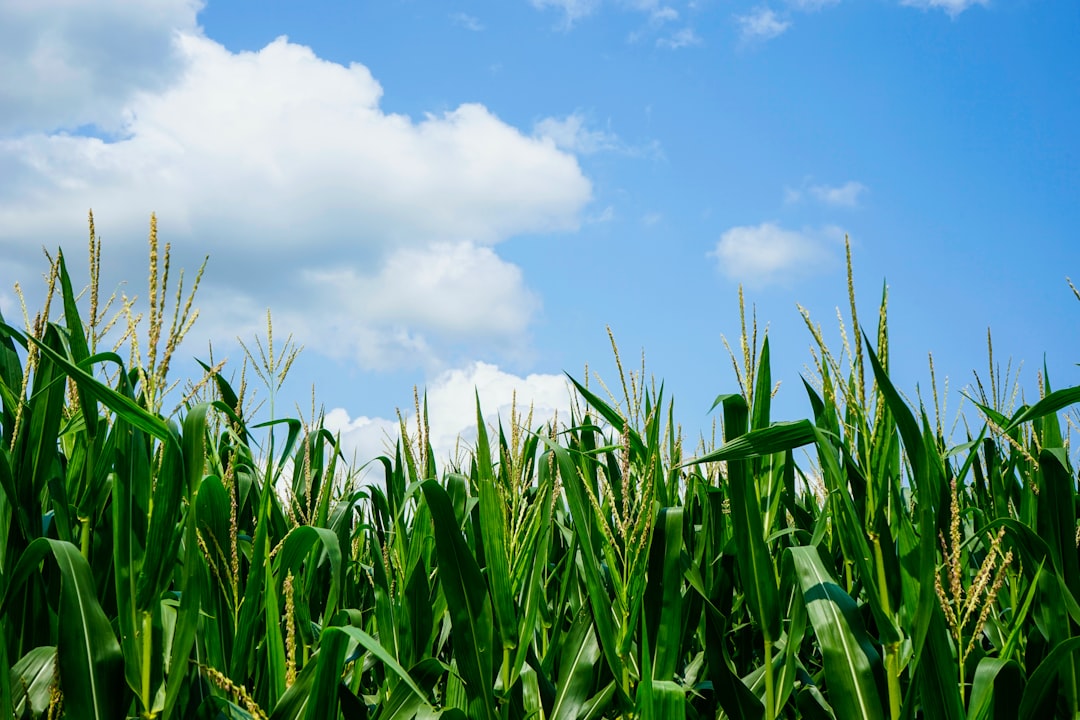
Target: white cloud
(8, 308)
(282, 142)
(570, 133)
(766, 253)
(286, 170)
(451, 399)
(680, 39)
(67, 63)
(952, 7)
(663, 14)
(469, 22)
(572, 10)
(362, 438)
(447, 293)
(761, 24)
(846, 195)
(811, 5)
(605, 215)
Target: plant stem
(892, 669)
(147, 649)
(84, 537)
(892, 650)
(770, 700)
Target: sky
(465, 196)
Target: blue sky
(466, 194)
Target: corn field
(188, 563)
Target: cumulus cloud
(451, 398)
(952, 7)
(767, 253)
(761, 24)
(68, 64)
(449, 293)
(279, 143)
(284, 167)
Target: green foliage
(157, 566)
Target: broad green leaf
(1053, 402)
(1037, 700)
(493, 521)
(577, 661)
(663, 595)
(32, 677)
(778, 437)
(850, 660)
(755, 561)
(88, 654)
(379, 652)
(323, 702)
(996, 690)
(733, 696)
(598, 596)
(467, 597)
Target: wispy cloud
(811, 5)
(761, 24)
(469, 22)
(605, 215)
(573, 134)
(952, 7)
(680, 39)
(846, 195)
(663, 14)
(572, 10)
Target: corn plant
(860, 563)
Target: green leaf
(735, 698)
(323, 702)
(467, 599)
(663, 595)
(1057, 400)
(88, 655)
(1038, 698)
(996, 689)
(577, 660)
(581, 511)
(32, 677)
(751, 550)
(493, 531)
(80, 351)
(778, 437)
(850, 660)
(375, 648)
